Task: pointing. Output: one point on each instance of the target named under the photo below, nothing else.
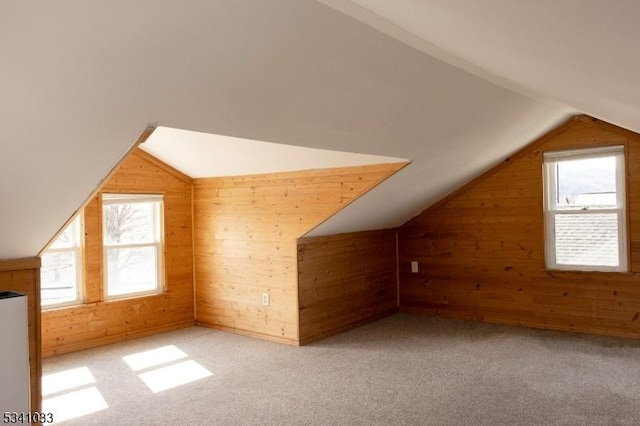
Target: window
(132, 237)
(585, 211)
(61, 271)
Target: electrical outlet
(265, 299)
(414, 266)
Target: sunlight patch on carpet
(74, 404)
(154, 357)
(174, 375)
(65, 380)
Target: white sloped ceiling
(80, 80)
(582, 53)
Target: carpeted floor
(402, 370)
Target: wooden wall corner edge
(162, 165)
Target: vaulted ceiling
(453, 86)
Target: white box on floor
(14, 353)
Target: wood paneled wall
(23, 276)
(97, 321)
(481, 250)
(345, 280)
(246, 230)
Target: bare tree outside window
(125, 223)
(132, 243)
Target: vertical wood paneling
(100, 322)
(481, 250)
(24, 276)
(245, 242)
(345, 280)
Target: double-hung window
(61, 272)
(132, 227)
(585, 212)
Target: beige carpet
(402, 370)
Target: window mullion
(130, 246)
(589, 211)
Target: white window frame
(77, 232)
(551, 159)
(158, 220)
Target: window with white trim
(61, 273)
(132, 233)
(585, 212)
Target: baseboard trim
(629, 334)
(262, 336)
(73, 347)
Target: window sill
(59, 307)
(118, 298)
(551, 271)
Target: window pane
(587, 239)
(65, 239)
(129, 223)
(58, 281)
(587, 183)
(131, 270)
